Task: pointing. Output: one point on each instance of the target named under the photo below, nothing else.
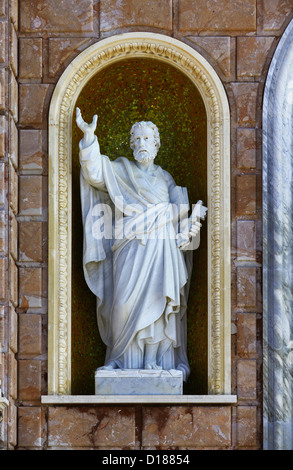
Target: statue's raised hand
(87, 129)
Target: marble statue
(137, 254)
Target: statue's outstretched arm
(89, 152)
(87, 129)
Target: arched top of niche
(67, 90)
(157, 46)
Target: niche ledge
(143, 399)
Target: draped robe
(137, 272)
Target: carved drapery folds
(77, 74)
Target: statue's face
(144, 144)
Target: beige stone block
(251, 55)
(12, 375)
(246, 426)
(13, 12)
(3, 428)
(3, 38)
(3, 233)
(117, 14)
(2, 9)
(246, 195)
(62, 51)
(13, 97)
(29, 251)
(246, 287)
(91, 427)
(30, 195)
(29, 378)
(12, 424)
(246, 148)
(187, 426)
(13, 281)
(13, 329)
(2, 184)
(13, 189)
(30, 151)
(13, 239)
(2, 328)
(3, 81)
(3, 278)
(55, 16)
(13, 143)
(246, 379)
(246, 240)
(246, 97)
(30, 58)
(2, 361)
(246, 335)
(218, 48)
(31, 104)
(223, 16)
(3, 133)
(275, 14)
(30, 286)
(30, 334)
(13, 50)
(29, 427)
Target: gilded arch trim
(77, 74)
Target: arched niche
(131, 90)
(278, 248)
(83, 73)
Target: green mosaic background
(121, 94)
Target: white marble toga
(141, 281)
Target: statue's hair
(142, 124)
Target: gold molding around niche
(67, 90)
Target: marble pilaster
(278, 247)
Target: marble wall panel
(278, 247)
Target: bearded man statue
(138, 264)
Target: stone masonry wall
(8, 220)
(38, 39)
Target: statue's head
(144, 141)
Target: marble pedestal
(138, 382)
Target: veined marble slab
(278, 248)
(145, 399)
(138, 382)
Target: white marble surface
(142, 399)
(136, 265)
(138, 382)
(278, 247)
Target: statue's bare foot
(110, 366)
(152, 365)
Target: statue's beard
(144, 157)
